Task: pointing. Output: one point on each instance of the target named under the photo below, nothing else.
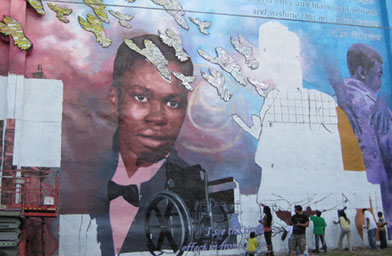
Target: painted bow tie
(129, 193)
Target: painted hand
(254, 129)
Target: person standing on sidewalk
(319, 226)
(381, 230)
(252, 245)
(300, 222)
(267, 224)
(344, 229)
(371, 227)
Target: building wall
(267, 109)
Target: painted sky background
(209, 136)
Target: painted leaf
(226, 62)
(170, 38)
(10, 27)
(93, 25)
(217, 80)
(185, 80)
(260, 87)
(99, 9)
(202, 25)
(245, 48)
(60, 12)
(122, 18)
(174, 9)
(153, 55)
(37, 6)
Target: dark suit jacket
(135, 240)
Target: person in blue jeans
(319, 226)
(371, 227)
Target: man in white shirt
(371, 227)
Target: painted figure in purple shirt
(369, 116)
(365, 66)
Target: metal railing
(34, 190)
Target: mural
(181, 120)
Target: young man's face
(151, 112)
(373, 77)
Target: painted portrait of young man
(149, 111)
